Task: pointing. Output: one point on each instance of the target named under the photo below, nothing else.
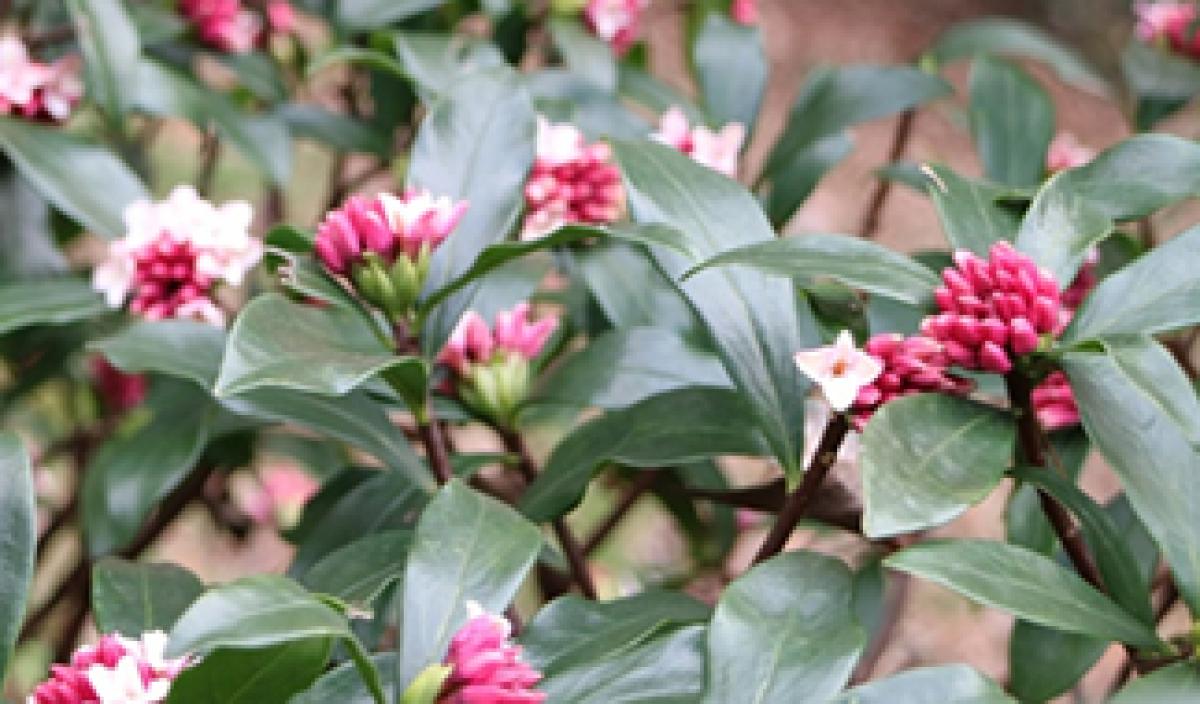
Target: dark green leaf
(1176, 684)
(338, 131)
(435, 61)
(376, 14)
(111, 49)
(1012, 120)
(358, 572)
(48, 301)
(731, 69)
(794, 182)
(927, 458)
(969, 210)
(344, 686)
(1045, 663)
(584, 53)
(370, 58)
(18, 540)
(945, 684)
(648, 91)
(187, 349)
(783, 627)
(630, 290)
(234, 676)
(132, 598)
(258, 73)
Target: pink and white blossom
(279, 495)
(1066, 152)
(514, 335)
(37, 91)
(117, 670)
(1163, 21)
(386, 225)
(486, 667)
(224, 24)
(571, 182)
(617, 22)
(911, 365)
(840, 370)
(717, 150)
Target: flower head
(37, 91)
(716, 150)
(911, 365)
(173, 254)
(1066, 152)
(116, 670)
(1054, 402)
(224, 24)
(840, 369)
(486, 668)
(617, 22)
(571, 182)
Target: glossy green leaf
(370, 58)
(731, 70)
(132, 598)
(794, 182)
(375, 14)
(1012, 120)
(630, 290)
(1024, 582)
(1176, 684)
(277, 343)
(187, 349)
(468, 547)
(1146, 447)
(783, 627)
(258, 73)
(111, 49)
(48, 301)
(1076, 208)
(434, 61)
(1045, 662)
(848, 260)
(27, 240)
(927, 458)
(970, 211)
(943, 684)
(585, 54)
(640, 87)
(344, 686)
(754, 322)
(476, 144)
(358, 572)
(235, 676)
(18, 540)
(334, 129)
(65, 170)
(667, 430)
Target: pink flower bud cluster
(228, 26)
(617, 22)
(486, 666)
(1054, 402)
(173, 255)
(1066, 152)
(116, 670)
(911, 365)
(993, 310)
(571, 182)
(716, 150)
(118, 390)
(514, 336)
(37, 91)
(744, 12)
(386, 226)
(1169, 23)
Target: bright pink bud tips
(34, 90)
(744, 12)
(1054, 402)
(571, 182)
(1066, 152)
(910, 365)
(617, 22)
(1169, 24)
(116, 670)
(840, 369)
(230, 27)
(486, 666)
(716, 150)
(993, 310)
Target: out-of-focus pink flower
(840, 369)
(280, 495)
(993, 310)
(716, 150)
(387, 226)
(118, 390)
(1054, 402)
(224, 24)
(617, 22)
(1066, 152)
(1085, 280)
(281, 16)
(37, 91)
(174, 252)
(116, 670)
(571, 182)
(744, 12)
(486, 668)
(1169, 23)
(911, 365)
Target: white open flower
(840, 369)
(123, 684)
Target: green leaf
(795, 181)
(1024, 582)
(1012, 120)
(376, 14)
(625, 366)
(848, 260)
(1156, 292)
(66, 169)
(1076, 208)
(234, 676)
(1176, 684)
(1025, 523)
(258, 73)
(334, 129)
(630, 290)
(369, 58)
(927, 458)
(48, 301)
(671, 429)
(755, 323)
(640, 87)
(18, 540)
(132, 597)
(476, 144)
(187, 349)
(436, 61)
(427, 685)
(359, 572)
(783, 627)
(277, 343)
(731, 69)
(944, 684)
(1045, 663)
(1149, 451)
(971, 215)
(111, 49)
(344, 686)
(584, 53)
(468, 547)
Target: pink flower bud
(1045, 314)
(486, 668)
(1023, 339)
(571, 181)
(993, 358)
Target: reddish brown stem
(900, 137)
(897, 596)
(634, 491)
(435, 450)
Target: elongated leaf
(585, 54)
(187, 349)
(344, 686)
(358, 572)
(849, 260)
(274, 674)
(667, 430)
(927, 458)
(1012, 120)
(18, 541)
(1157, 291)
(1176, 684)
(639, 86)
(336, 130)
(944, 684)
(375, 14)
(1045, 662)
(1025, 583)
(971, 215)
(371, 58)
(476, 144)
(258, 73)
(50, 301)
(731, 68)
(754, 322)
(434, 61)
(66, 169)
(793, 183)
(468, 547)
(132, 598)
(111, 49)
(1076, 208)
(1148, 450)
(630, 290)
(783, 627)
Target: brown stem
(634, 491)
(794, 507)
(435, 450)
(900, 138)
(576, 559)
(210, 154)
(835, 504)
(897, 597)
